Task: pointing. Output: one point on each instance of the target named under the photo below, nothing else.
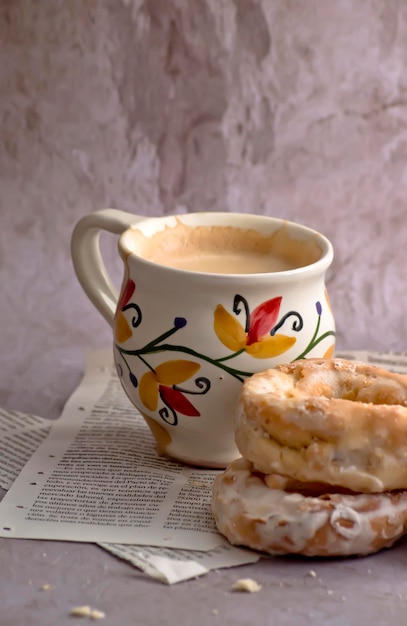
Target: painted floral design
(123, 332)
(258, 337)
(316, 338)
(163, 388)
(163, 381)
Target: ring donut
(250, 513)
(331, 421)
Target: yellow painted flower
(258, 338)
(161, 383)
(330, 352)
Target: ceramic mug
(207, 299)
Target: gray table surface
(364, 591)
(370, 590)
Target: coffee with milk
(224, 249)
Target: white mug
(207, 299)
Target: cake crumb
(215, 611)
(86, 611)
(246, 584)
(312, 573)
(96, 614)
(80, 611)
(45, 587)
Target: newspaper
(20, 436)
(96, 477)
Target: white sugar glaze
(250, 513)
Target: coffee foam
(183, 241)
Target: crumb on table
(86, 611)
(246, 584)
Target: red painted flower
(122, 329)
(126, 294)
(255, 338)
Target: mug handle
(87, 258)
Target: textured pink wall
(284, 107)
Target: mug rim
(215, 218)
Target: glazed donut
(250, 513)
(331, 421)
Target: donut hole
(383, 392)
(343, 381)
(372, 390)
